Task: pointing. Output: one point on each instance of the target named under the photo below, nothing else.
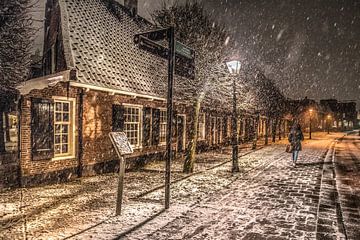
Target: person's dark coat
(295, 137)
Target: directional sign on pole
(181, 60)
(183, 50)
(184, 55)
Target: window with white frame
(63, 128)
(132, 123)
(162, 126)
(201, 129)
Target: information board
(121, 143)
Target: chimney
(132, 6)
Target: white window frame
(163, 126)
(201, 128)
(71, 130)
(140, 124)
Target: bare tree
(16, 34)
(15, 45)
(210, 42)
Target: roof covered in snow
(98, 42)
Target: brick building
(342, 114)
(97, 81)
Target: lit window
(163, 126)
(132, 125)
(201, 130)
(228, 132)
(63, 141)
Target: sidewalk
(85, 208)
(62, 210)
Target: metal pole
(235, 148)
(120, 186)
(171, 63)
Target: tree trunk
(191, 149)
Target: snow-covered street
(276, 201)
(268, 199)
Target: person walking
(295, 137)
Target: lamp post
(311, 110)
(328, 125)
(234, 69)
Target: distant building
(328, 113)
(342, 114)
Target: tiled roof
(101, 48)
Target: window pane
(57, 149)
(57, 139)
(64, 148)
(65, 117)
(64, 139)
(58, 117)
(57, 128)
(65, 129)
(66, 107)
(58, 106)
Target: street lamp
(328, 127)
(234, 69)
(311, 110)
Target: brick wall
(34, 172)
(98, 155)
(97, 124)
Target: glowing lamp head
(234, 67)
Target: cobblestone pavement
(268, 199)
(277, 201)
(347, 169)
(63, 210)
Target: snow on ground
(84, 208)
(62, 210)
(276, 201)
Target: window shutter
(118, 118)
(146, 126)
(42, 129)
(155, 126)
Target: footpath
(277, 201)
(272, 198)
(69, 210)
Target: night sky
(309, 47)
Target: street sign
(183, 50)
(151, 46)
(184, 55)
(184, 60)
